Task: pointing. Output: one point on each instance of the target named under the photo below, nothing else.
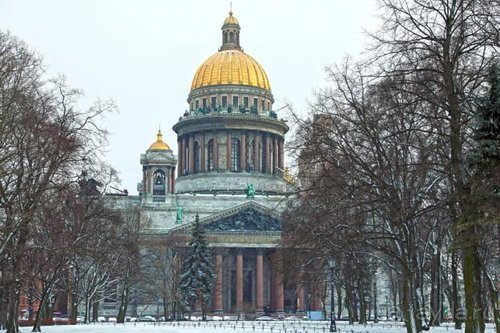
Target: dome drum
(229, 91)
(233, 121)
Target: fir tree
(198, 274)
(488, 122)
(482, 209)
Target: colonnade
(268, 289)
(245, 151)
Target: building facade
(230, 171)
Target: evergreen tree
(482, 217)
(198, 274)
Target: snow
(240, 327)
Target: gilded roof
(230, 67)
(159, 144)
(231, 19)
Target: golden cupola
(159, 144)
(230, 136)
(230, 77)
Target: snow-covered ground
(239, 327)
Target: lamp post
(333, 325)
(375, 314)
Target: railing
(229, 109)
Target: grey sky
(143, 54)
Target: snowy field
(239, 327)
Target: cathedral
(230, 170)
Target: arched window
(159, 182)
(210, 155)
(225, 37)
(235, 154)
(231, 37)
(197, 157)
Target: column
(275, 154)
(183, 157)
(228, 151)
(179, 156)
(243, 152)
(172, 179)
(202, 153)
(191, 154)
(268, 153)
(280, 290)
(256, 159)
(144, 181)
(216, 152)
(149, 181)
(281, 148)
(259, 272)
(218, 284)
(239, 281)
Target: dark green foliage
(198, 274)
(487, 132)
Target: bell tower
(158, 171)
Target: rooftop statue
(250, 191)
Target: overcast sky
(143, 53)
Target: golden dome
(231, 19)
(230, 67)
(159, 144)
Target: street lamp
(333, 325)
(375, 317)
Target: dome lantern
(230, 33)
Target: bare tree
(444, 48)
(46, 141)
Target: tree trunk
(124, 299)
(95, 311)
(474, 322)
(457, 315)
(436, 294)
(339, 301)
(494, 300)
(38, 318)
(13, 308)
(407, 305)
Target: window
(263, 105)
(224, 101)
(159, 182)
(235, 101)
(255, 102)
(245, 101)
(235, 154)
(197, 157)
(204, 103)
(210, 155)
(214, 102)
(197, 104)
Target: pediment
(246, 218)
